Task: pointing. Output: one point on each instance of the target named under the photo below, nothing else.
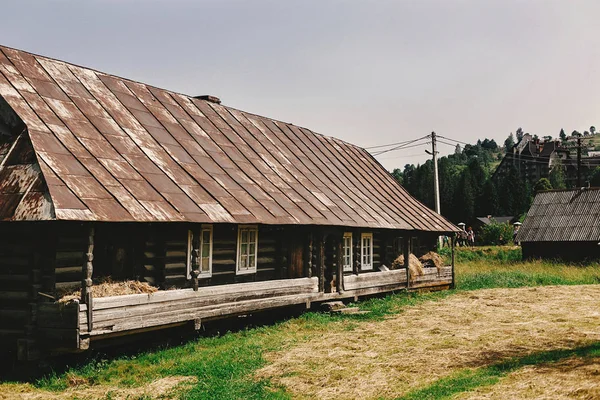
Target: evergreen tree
(509, 143)
(595, 177)
(397, 174)
(487, 204)
(557, 176)
(457, 149)
(593, 130)
(464, 198)
(562, 135)
(519, 134)
(542, 185)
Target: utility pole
(578, 162)
(436, 180)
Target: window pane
(244, 236)
(205, 264)
(205, 236)
(251, 261)
(244, 261)
(205, 249)
(251, 247)
(244, 249)
(252, 235)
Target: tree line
(466, 188)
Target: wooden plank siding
(292, 269)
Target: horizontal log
(176, 265)
(112, 314)
(14, 296)
(161, 296)
(15, 261)
(58, 338)
(223, 262)
(372, 279)
(67, 286)
(57, 315)
(209, 312)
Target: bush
(496, 234)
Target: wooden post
(406, 252)
(86, 283)
(195, 260)
(384, 251)
(309, 257)
(356, 255)
(453, 240)
(321, 263)
(339, 279)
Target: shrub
(496, 234)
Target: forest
(466, 188)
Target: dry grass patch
(165, 388)
(429, 341)
(573, 378)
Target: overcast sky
(369, 72)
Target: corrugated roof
(111, 149)
(563, 215)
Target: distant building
(480, 222)
(534, 159)
(562, 224)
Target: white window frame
(364, 266)
(202, 274)
(251, 269)
(347, 267)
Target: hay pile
(414, 265)
(107, 287)
(433, 259)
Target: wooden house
(562, 224)
(226, 212)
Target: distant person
(516, 227)
(462, 235)
(471, 237)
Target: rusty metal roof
(112, 149)
(563, 215)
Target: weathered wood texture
(431, 276)
(119, 313)
(58, 326)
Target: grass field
(504, 330)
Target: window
(347, 252)
(205, 240)
(247, 248)
(366, 251)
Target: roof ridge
(170, 91)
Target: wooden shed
(223, 211)
(563, 224)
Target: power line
(391, 144)
(403, 146)
(453, 140)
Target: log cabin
(223, 211)
(562, 224)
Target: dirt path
(430, 341)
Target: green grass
(224, 365)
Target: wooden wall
(26, 268)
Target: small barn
(562, 224)
(220, 212)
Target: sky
(368, 72)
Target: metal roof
(499, 220)
(112, 149)
(563, 215)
